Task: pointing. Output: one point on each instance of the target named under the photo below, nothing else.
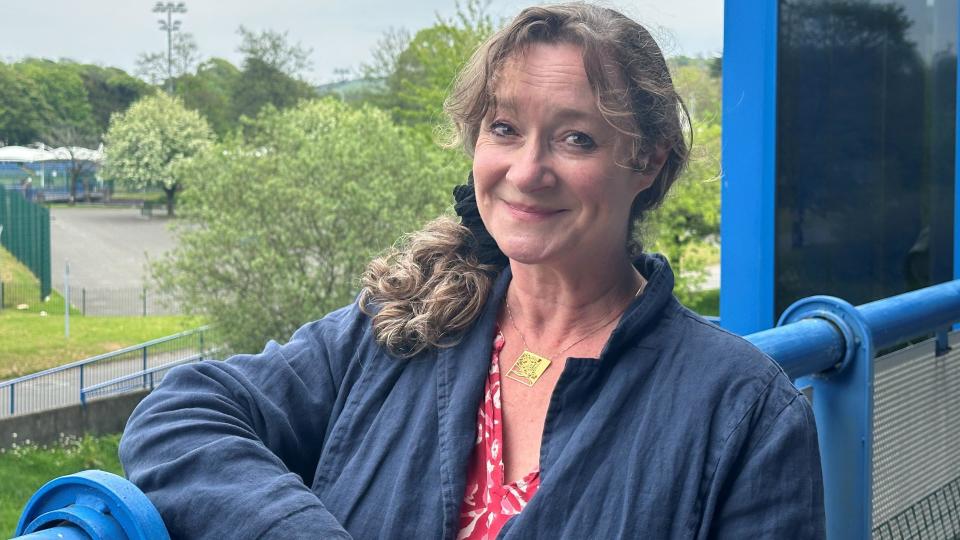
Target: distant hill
(355, 88)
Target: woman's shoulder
(724, 372)
(718, 351)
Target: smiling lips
(531, 213)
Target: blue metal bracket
(846, 440)
(91, 505)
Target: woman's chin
(537, 253)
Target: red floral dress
(487, 503)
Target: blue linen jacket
(678, 430)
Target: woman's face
(551, 178)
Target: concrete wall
(99, 417)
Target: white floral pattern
(487, 503)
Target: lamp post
(169, 26)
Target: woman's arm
(223, 449)
(774, 485)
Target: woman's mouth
(531, 212)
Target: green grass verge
(24, 469)
(33, 339)
(706, 303)
(31, 343)
(12, 271)
(21, 288)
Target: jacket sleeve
(774, 488)
(223, 449)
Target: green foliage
(61, 87)
(422, 72)
(23, 111)
(26, 467)
(689, 220)
(110, 90)
(209, 93)
(274, 49)
(145, 144)
(261, 84)
(698, 81)
(39, 96)
(288, 215)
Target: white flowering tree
(145, 145)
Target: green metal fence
(26, 234)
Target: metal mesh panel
(916, 437)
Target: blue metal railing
(71, 383)
(829, 345)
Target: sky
(341, 32)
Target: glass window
(866, 101)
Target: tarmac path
(107, 247)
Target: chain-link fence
(134, 301)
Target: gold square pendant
(528, 368)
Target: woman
(526, 372)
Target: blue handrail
(74, 373)
(830, 346)
(102, 357)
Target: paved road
(107, 247)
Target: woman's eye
(581, 140)
(500, 129)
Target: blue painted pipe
(804, 347)
(819, 342)
(91, 505)
(908, 315)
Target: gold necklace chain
(529, 366)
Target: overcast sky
(340, 32)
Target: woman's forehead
(547, 71)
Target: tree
(110, 90)
(288, 215)
(184, 55)
(73, 143)
(272, 48)
(145, 145)
(209, 92)
(688, 223)
(23, 111)
(419, 71)
(62, 88)
(386, 53)
(261, 84)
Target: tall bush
(286, 217)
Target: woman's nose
(529, 170)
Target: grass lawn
(23, 470)
(31, 341)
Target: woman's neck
(547, 302)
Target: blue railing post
(843, 406)
(83, 397)
(145, 366)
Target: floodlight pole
(169, 26)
